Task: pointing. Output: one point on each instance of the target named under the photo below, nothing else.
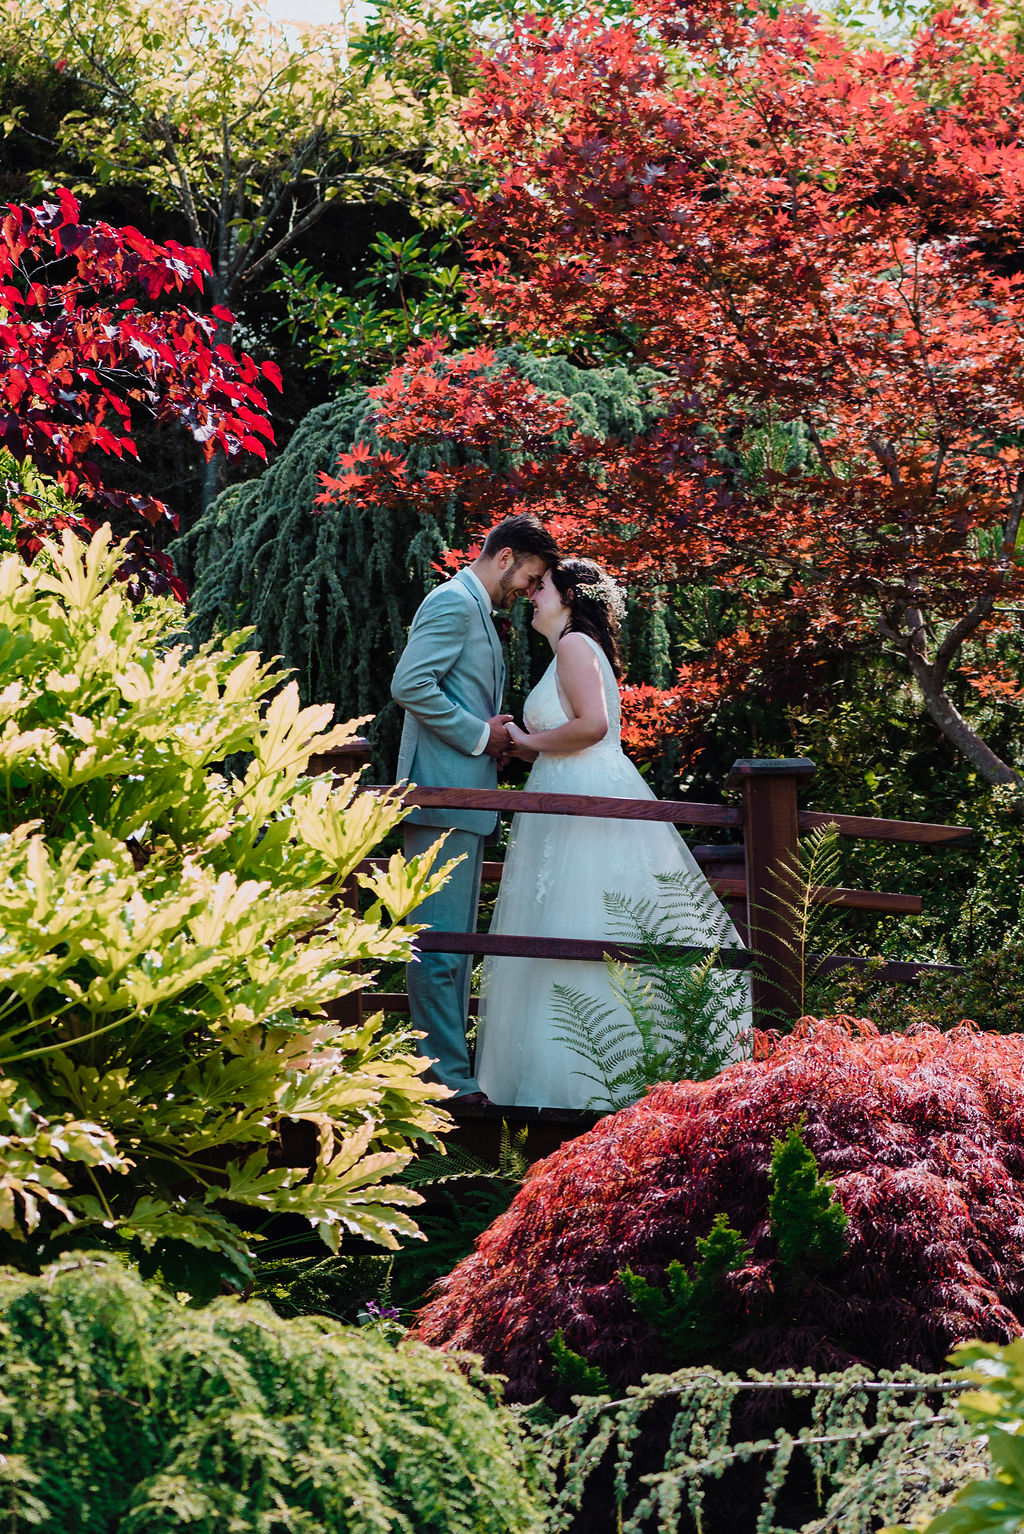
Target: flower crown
(604, 591)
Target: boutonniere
(503, 623)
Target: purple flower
(381, 1312)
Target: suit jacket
(449, 681)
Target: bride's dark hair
(593, 601)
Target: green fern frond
(810, 923)
(456, 1163)
(437, 1168)
(678, 1015)
(513, 1164)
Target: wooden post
(343, 760)
(771, 839)
(348, 1009)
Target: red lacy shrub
(922, 1137)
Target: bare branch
(955, 727)
(819, 446)
(184, 183)
(1012, 528)
(937, 467)
(887, 458)
(961, 631)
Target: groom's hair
(524, 535)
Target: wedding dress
(558, 870)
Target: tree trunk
(955, 727)
(213, 468)
(210, 484)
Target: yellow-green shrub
(169, 934)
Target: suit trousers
(438, 983)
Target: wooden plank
(898, 971)
(736, 889)
(592, 951)
(771, 843)
(893, 969)
(681, 812)
(854, 900)
(344, 760)
(869, 829)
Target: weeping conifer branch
(877, 1447)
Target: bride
(559, 868)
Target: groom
(450, 681)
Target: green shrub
(990, 992)
(169, 936)
(992, 1504)
(807, 1224)
(122, 1409)
(995, 1410)
(808, 1229)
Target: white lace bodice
(543, 708)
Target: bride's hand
(520, 746)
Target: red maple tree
(818, 246)
(88, 349)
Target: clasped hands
(507, 740)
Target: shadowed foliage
(922, 1139)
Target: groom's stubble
(521, 579)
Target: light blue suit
(449, 681)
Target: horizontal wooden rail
(592, 951)
(890, 969)
(681, 812)
(872, 830)
(896, 970)
(826, 894)
(736, 889)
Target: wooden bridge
(747, 875)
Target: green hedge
(123, 1410)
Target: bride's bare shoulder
(577, 651)
(574, 644)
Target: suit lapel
(483, 602)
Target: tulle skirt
(559, 869)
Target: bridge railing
(749, 875)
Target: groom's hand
(499, 741)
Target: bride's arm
(579, 677)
